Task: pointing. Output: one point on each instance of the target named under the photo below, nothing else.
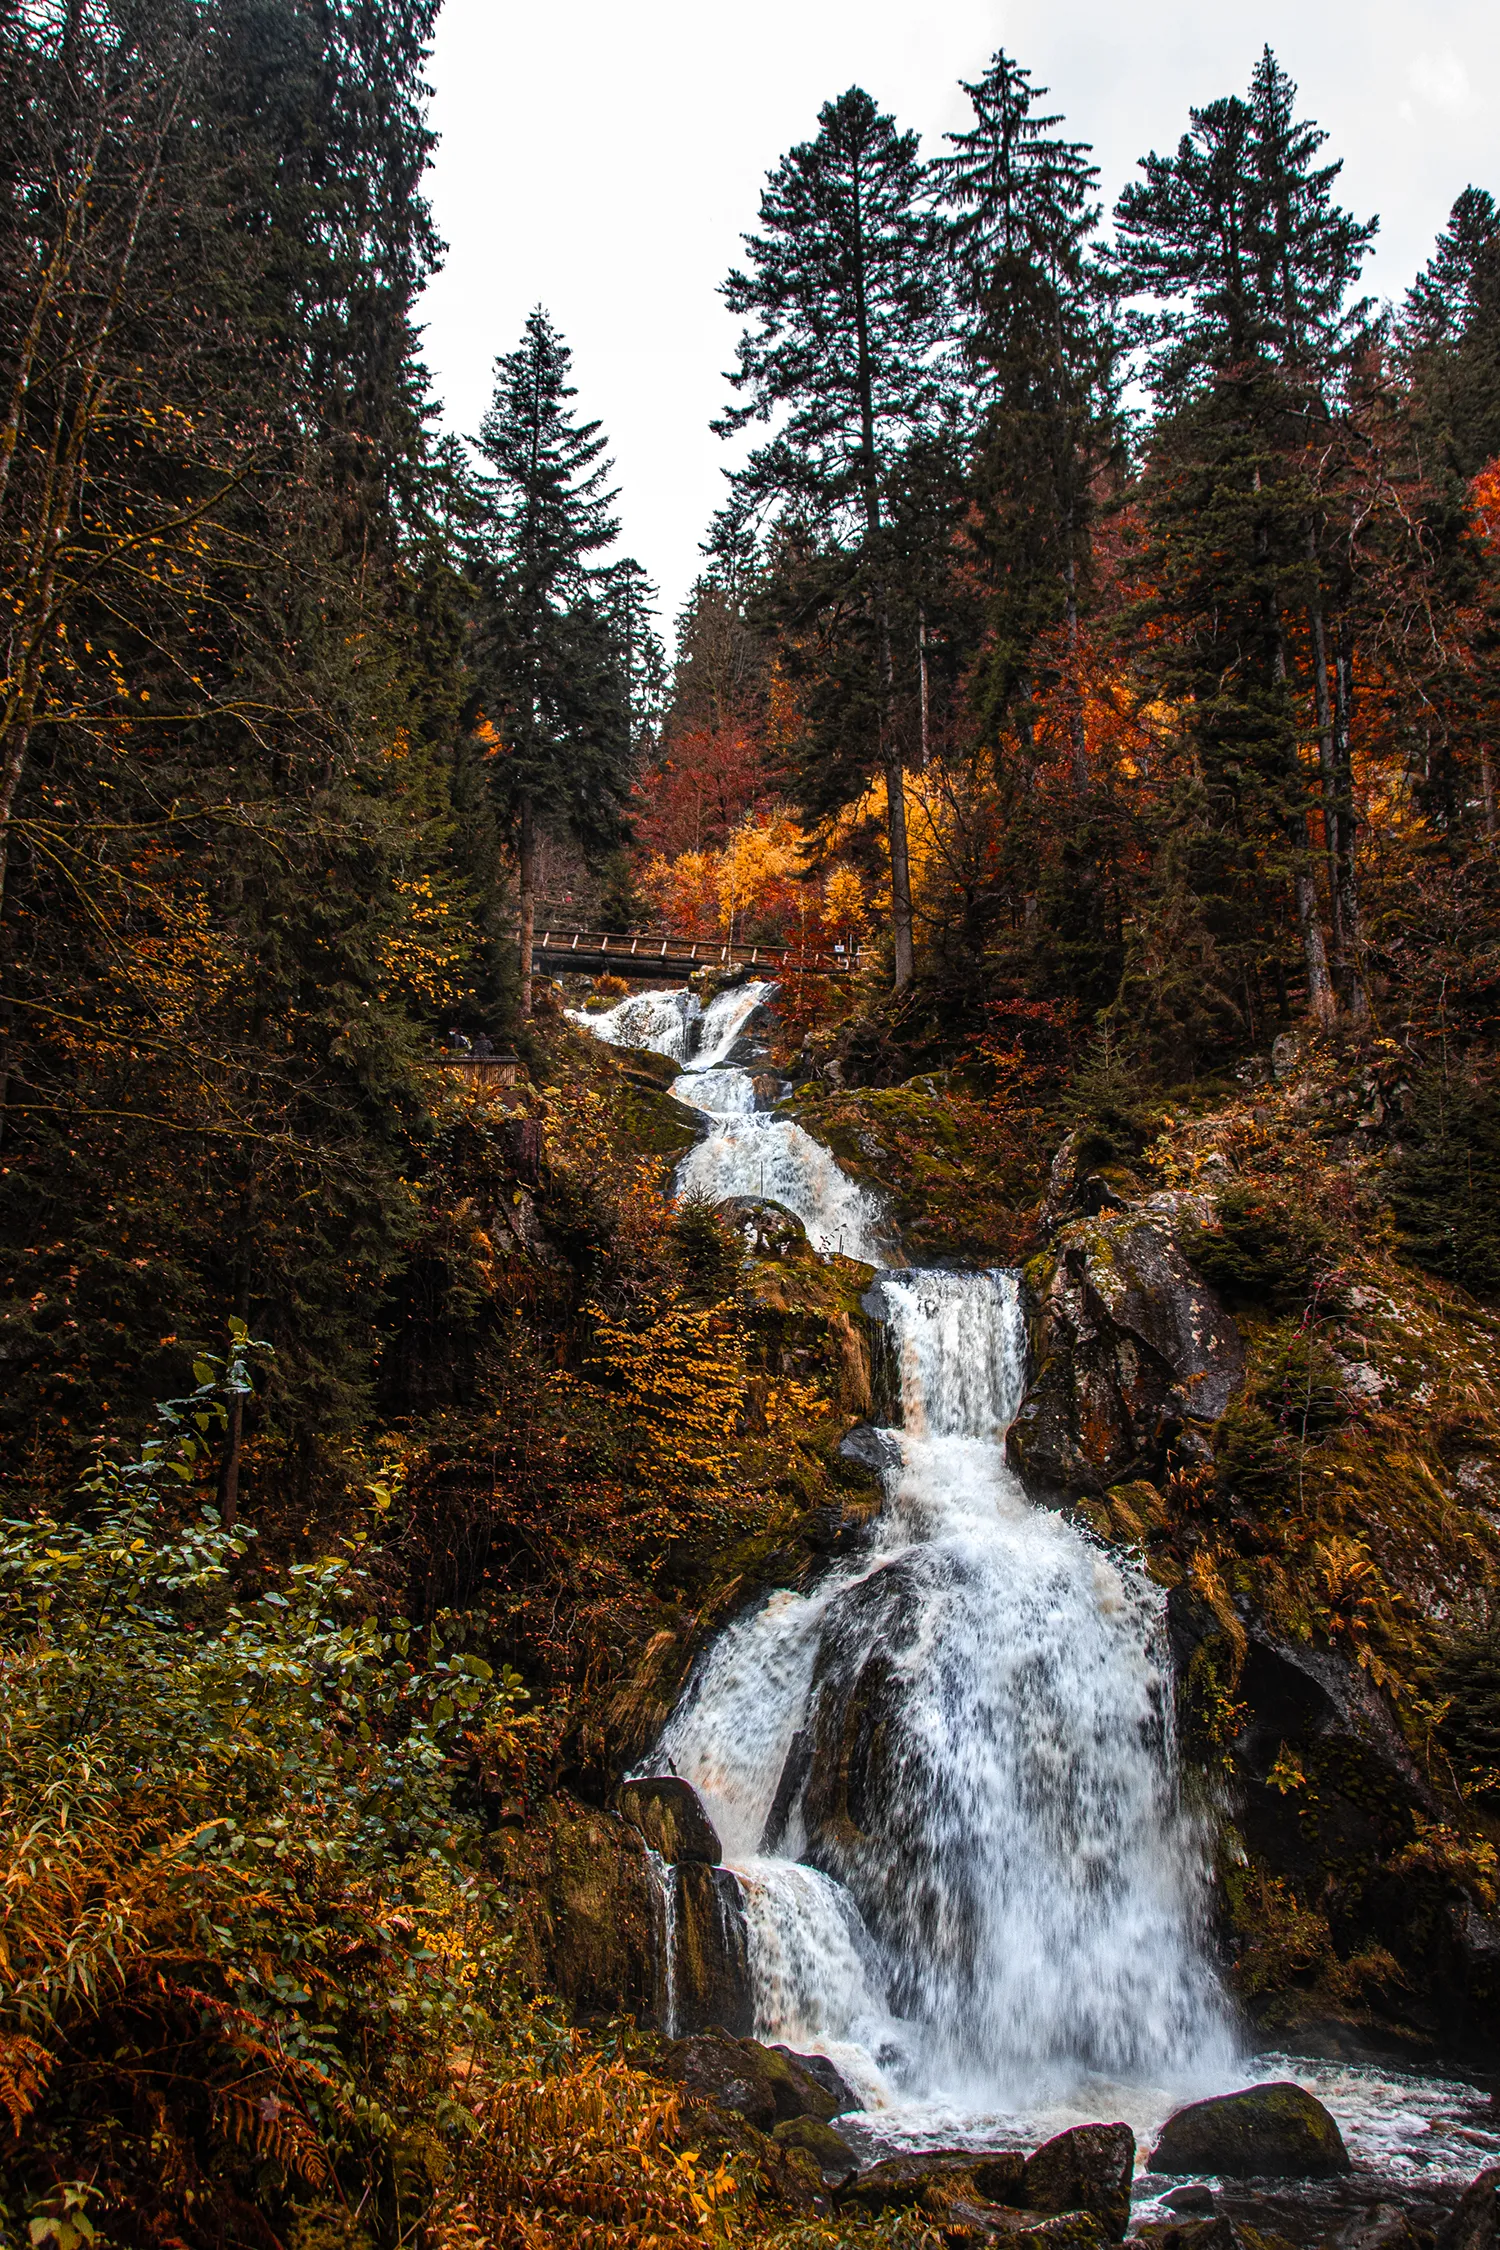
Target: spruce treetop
(843, 301)
(546, 498)
(1015, 188)
(1239, 247)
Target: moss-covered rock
(670, 1816)
(1133, 1355)
(1277, 2131)
(584, 1921)
(826, 2146)
(1085, 2169)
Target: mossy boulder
(1086, 2169)
(670, 1815)
(1133, 1354)
(1276, 2131)
(768, 2085)
(822, 2142)
(584, 1916)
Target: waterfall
(945, 1776)
(665, 1023)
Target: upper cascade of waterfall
(722, 1022)
(664, 1023)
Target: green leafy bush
(240, 1917)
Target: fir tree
(1022, 210)
(843, 297)
(1449, 333)
(549, 660)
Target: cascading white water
(968, 1736)
(944, 1777)
(664, 1023)
(773, 1158)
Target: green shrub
(1257, 1250)
(1444, 1186)
(240, 1914)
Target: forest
(1097, 655)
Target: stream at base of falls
(944, 1777)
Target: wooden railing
(657, 953)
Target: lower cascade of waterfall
(945, 1777)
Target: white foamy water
(962, 1747)
(664, 1023)
(945, 1776)
(775, 1159)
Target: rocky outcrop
(585, 1917)
(669, 1814)
(1277, 2131)
(1132, 1353)
(768, 2086)
(710, 1954)
(827, 2147)
(1086, 2169)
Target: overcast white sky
(603, 158)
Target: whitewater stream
(945, 1777)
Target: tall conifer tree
(842, 294)
(549, 660)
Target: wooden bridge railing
(655, 953)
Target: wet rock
(1000, 2175)
(1387, 2227)
(1207, 2234)
(1086, 2169)
(827, 2148)
(767, 2085)
(1196, 2201)
(767, 1228)
(931, 2182)
(825, 2075)
(1132, 1352)
(669, 1813)
(1264, 2132)
(1475, 2225)
(583, 1915)
(716, 2067)
(711, 1957)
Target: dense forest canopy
(1099, 644)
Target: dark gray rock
(767, 1228)
(825, 2075)
(1387, 2227)
(1195, 2202)
(767, 2085)
(930, 2181)
(1086, 2169)
(670, 1815)
(1132, 1353)
(1262, 2133)
(711, 1958)
(1475, 2225)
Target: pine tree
(1022, 211)
(1449, 336)
(549, 662)
(844, 290)
(1246, 264)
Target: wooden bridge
(654, 956)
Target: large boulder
(1086, 2169)
(585, 1917)
(930, 2181)
(1276, 2131)
(670, 1815)
(1475, 2225)
(767, 2085)
(1132, 1353)
(711, 1952)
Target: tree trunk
(528, 904)
(895, 793)
(1348, 867)
(1076, 728)
(922, 685)
(229, 1467)
(1331, 820)
(1487, 790)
